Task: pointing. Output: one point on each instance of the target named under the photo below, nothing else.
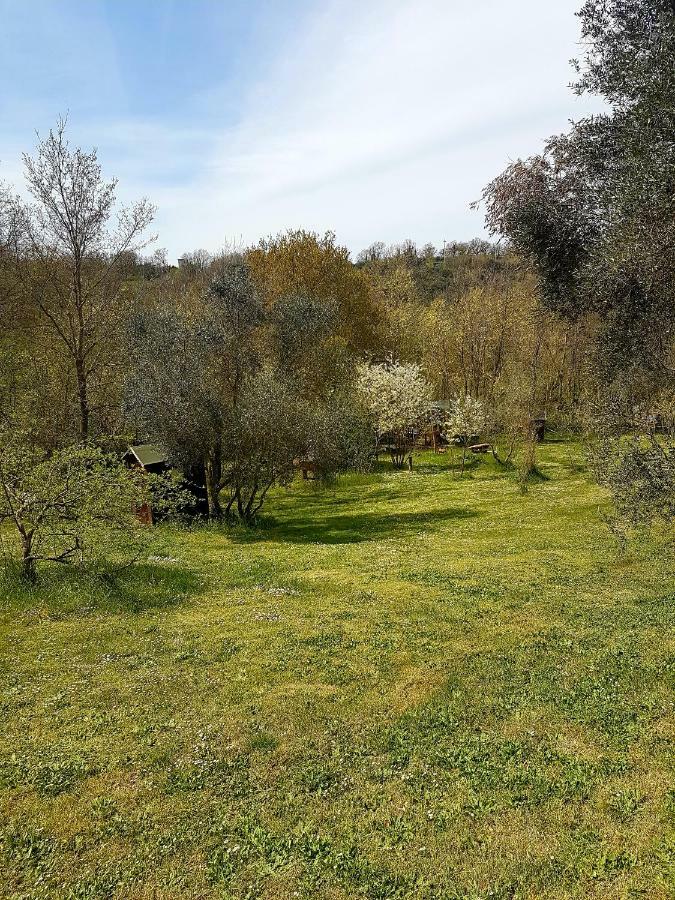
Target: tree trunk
(212, 478)
(228, 508)
(83, 397)
(398, 451)
(28, 571)
(398, 458)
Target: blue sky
(378, 119)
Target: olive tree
(594, 213)
(68, 506)
(638, 470)
(595, 218)
(190, 367)
(275, 428)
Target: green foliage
(169, 495)
(594, 213)
(273, 428)
(68, 506)
(639, 472)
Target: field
(408, 685)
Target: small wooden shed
(149, 457)
(152, 459)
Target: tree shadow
(65, 591)
(353, 528)
(150, 586)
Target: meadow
(402, 685)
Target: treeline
(92, 322)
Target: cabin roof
(148, 454)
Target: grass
(407, 686)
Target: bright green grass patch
(409, 685)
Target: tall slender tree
(70, 256)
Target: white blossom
(396, 395)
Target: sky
(376, 119)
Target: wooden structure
(305, 466)
(538, 427)
(149, 458)
(480, 448)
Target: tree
(67, 506)
(273, 428)
(397, 396)
(594, 213)
(304, 340)
(467, 419)
(190, 366)
(638, 470)
(302, 263)
(195, 262)
(595, 216)
(69, 260)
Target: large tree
(595, 213)
(315, 267)
(191, 363)
(69, 257)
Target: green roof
(149, 454)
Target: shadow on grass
(68, 590)
(149, 586)
(429, 463)
(537, 476)
(350, 529)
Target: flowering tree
(397, 397)
(468, 417)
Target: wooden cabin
(149, 458)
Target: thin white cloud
(379, 120)
(384, 120)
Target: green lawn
(407, 686)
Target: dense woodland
(468, 315)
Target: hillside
(406, 686)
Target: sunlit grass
(407, 685)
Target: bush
(639, 472)
(68, 506)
